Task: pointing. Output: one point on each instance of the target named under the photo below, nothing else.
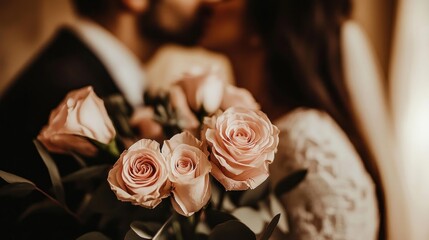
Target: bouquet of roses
(191, 164)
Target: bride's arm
(337, 199)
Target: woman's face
(225, 28)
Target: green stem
(112, 147)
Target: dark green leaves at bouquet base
(93, 236)
(17, 187)
(215, 217)
(232, 230)
(290, 182)
(54, 174)
(88, 173)
(145, 230)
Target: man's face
(178, 21)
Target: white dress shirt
(123, 66)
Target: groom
(106, 49)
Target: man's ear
(137, 6)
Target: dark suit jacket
(65, 64)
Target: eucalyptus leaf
(104, 200)
(215, 217)
(232, 230)
(145, 230)
(290, 182)
(158, 235)
(132, 235)
(87, 173)
(53, 171)
(12, 178)
(93, 236)
(270, 228)
(17, 189)
(252, 196)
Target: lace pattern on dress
(337, 199)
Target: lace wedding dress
(337, 198)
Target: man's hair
(91, 8)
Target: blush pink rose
(238, 97)
(81, 113)
(189, 173)
(140, 176)
(185, 117)
(243, 143)
(203, 88)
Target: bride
(288, 54)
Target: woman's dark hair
(303, 65)
(90, 8)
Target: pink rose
(238, 97)
(140, 176)
(243, 143)
(189, 173)
(80, 113)
(185, 117)
(203, 89)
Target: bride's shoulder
(311, 137)
(337, 188)
(307, 121)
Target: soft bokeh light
(410, 97)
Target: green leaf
(158, 235)
(290, 182)
(87, 173)
(104, 200)
(53, 171)
(93, 236)
(270, 228)
(132, 235)
(17, 189)
(12, 178)
(252, 196)
(111, 148)
(232, 230)
(215, 217)
(145, 230)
